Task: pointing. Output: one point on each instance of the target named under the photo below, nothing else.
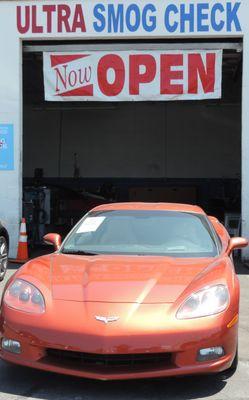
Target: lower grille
(102, 362)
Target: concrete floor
(18, 383)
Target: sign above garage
(133, 75)
(129, 18)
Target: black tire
(4, 250)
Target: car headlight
(24, 296)
(205, 302)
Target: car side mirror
(236, 243)
(53, 239)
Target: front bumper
(208, 368)
(180, 340)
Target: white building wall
(11, 113)
(245, 144)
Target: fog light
(211, 353)
(13, 346)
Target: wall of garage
(135, 140)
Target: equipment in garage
(233, 224)
(37, 212)
(54, 208)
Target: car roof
(150, 206)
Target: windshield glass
(166, 233)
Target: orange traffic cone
(22, 253)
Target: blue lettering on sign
(232, 17)
(149, 20)
(100, 24)
(133, 18)
(217, 9)
(187, 17)
(202, 15)
(116, 18)
(6, 147)
(171, 27)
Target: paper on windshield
(90, 224)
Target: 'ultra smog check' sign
(129, 18)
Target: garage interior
(78, 155)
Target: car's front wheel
(3, 256)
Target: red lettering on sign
(78, 21)
(198, 70)
(71, 78)
(136, 76)
(51, 17)
(23, 28)
(61, 77)
(64, 13)
(49, 10)
(139, 76)
(67, 78)
(168, 61)
(35, 27)
(106, 63)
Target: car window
(176, 234)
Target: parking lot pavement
(23, 383)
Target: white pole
(245, 144)
(10, 114)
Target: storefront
(127, 101)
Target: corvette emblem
(106, 320)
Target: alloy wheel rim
(3, 256)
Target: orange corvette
(134, 291)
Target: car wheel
(3, 257)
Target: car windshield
(162, 233)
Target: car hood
(122, 279)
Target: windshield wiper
(79, 253)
